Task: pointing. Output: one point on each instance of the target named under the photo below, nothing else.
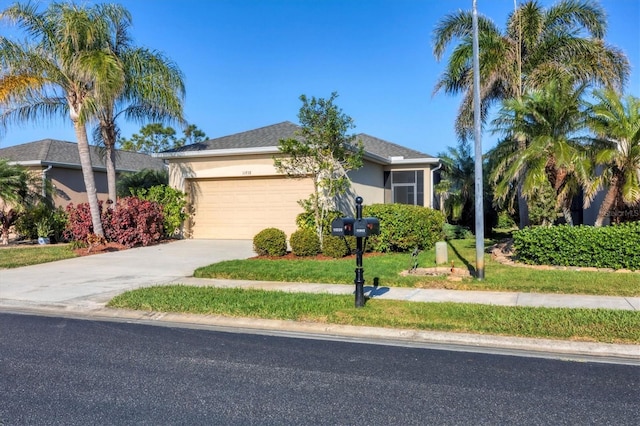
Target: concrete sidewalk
(435, 295)
(81, 287)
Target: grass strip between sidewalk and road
(596, 325)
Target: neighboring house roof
(265, 139)
(65, 154)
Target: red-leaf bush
(134, 222)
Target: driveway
(91, 280)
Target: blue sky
(246, 62)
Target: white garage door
(240, 208)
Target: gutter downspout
(433, 195)
(44, 180)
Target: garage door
(240, 208)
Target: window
(405, 187)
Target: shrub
(338, 247)
(305, 242)
(505, 221)
(404, 227)
(27, 224)
(270, 242)
(173, 204)
(134, 222)
(616, 246)
(307, 220)
(80, 225)
(456, 232)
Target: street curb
(546, 348)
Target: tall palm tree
(66, 55)
(551, 120)
(154, 89)
(537, 46)
(616, 122)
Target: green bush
(270, 242)
(404, 227)
(616, 246)
(338, 247)
(173, 204)
(56, 218)
(307, 220)
(505, 221)
(305, 242)
(456, 232)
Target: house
(59, 162)
(235, 191)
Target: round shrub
(305, 242)
(270, 242)
(404, 227)
(337, 247)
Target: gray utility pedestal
(441, 252)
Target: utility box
(441, 253)
(366, 226)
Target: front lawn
(33, 255)
(384, 270)
(600, 325)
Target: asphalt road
(56, 371)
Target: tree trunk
(109, 137)
(608, 201)
(110, 160)
(87, 173)
(523, 208)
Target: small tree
(322, 151)
(156, 138)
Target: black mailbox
(366, 227)
(342, 226)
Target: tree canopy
(323, 151)
(155, 137)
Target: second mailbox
(366, 227)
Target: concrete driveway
(95, 279)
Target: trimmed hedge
(305, 242)
(404, 227)
(615, 247)
(270, 242)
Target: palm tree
(73, 70)
(550, 120)
(154, 89)
(456, 187)
(18, 188)
(616, 122)
(537, 46)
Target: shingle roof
(50, 151)
(269, 136)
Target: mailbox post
(360, 227)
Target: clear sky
(246, 62)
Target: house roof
(65, 154)
(266, 138)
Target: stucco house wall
(234, 190)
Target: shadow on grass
(470, 267)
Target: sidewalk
(81, 287)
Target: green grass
(384, 270)
(600, 325)
(33, 255)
